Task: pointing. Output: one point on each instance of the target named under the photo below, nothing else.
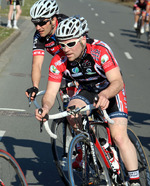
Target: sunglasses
(41, 23)
(70, 44)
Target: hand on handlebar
(31, 93)
(101, 101)
(41, 114)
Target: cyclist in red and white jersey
(45, 16)
(92, 64)
(142, 6)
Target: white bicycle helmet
(72, 27)
(44, 9)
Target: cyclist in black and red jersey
(142, 6)
(92, 64)
(45, 16)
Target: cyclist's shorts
(12, 2)
(117, 105)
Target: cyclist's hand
(41, 114)
(31, 92)
(101, 102)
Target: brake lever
(41, 122)
(30, 100)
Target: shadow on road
(139, 43)
(42, 166)
(138, 120)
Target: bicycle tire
(148, 38)
(143, 164)
(138, 30)
(92, 177)
(57, 148)
(11, 173)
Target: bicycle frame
(94, 141)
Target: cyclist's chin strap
(53, 26)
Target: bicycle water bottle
(110, 152)
(64, 164)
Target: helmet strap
(53, 26)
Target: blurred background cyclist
(142, 7)
(19, 11)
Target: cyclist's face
(142, 1)
(45, 29)
(73, 48)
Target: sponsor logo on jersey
(75, 70)
(95, 54)
(86, 63)
(62, 60)
(50, 44)
(104, 59)
(53, 69)
(89, 71)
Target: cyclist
(19, 11)
(45, 16)
(92, 64)
(141, 7)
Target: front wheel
(143, 164)
(88, 172)
(10, 171)
(60, 147)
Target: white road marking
(11, 109)
(2, 132)
(128, 55)
(103, 22)
(96, 14)
(89, 4)
(92, 9)
(111, 34)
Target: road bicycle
(138, 29)
(148, 38)
(97, 168)
(11, 173)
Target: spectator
(19, 11)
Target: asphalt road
(111, 23)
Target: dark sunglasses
(41, 23)
(70, 44)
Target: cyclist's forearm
(113, 89)
(36, 76)
(36, 70)
(47, 102)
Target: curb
(7, 42)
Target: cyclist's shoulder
(99, 44)
(59, 58)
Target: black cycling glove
(31, 90)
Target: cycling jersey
(90, 72)
(49, 42)
(141, 5)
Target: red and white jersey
(90, 72)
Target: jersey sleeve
(107, 58)
(57, 67)
(38, 45)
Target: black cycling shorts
(12, 2)
(117, 105)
